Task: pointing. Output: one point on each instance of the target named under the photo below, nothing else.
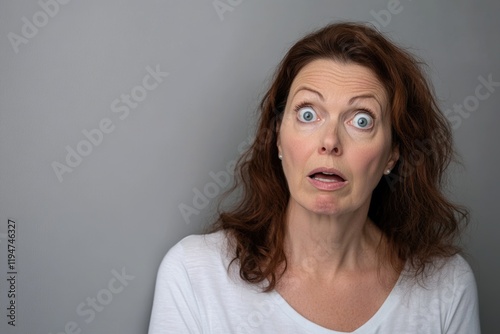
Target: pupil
(308, 116)
(362, 122)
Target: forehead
(331, 77)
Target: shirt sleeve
(464, 313)
(175, 308)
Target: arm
(175, 308)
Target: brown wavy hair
(408, 205)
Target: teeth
(325, 180)
(327, 173)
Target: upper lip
(327, 170)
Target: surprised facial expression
(335, 137)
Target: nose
(330, 142)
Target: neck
(326, 245)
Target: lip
(328, 186)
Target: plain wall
(89, 242)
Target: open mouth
(327, 177)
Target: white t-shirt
(195, 293)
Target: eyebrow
(311, 90)
(365, 96)
(351, 100)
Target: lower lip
(329, 186)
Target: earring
(280, 156)
(387, 172)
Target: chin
(325, 207)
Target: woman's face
(335, 137)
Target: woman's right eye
(307, 115)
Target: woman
(341, 225)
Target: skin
(334, 276)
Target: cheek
(296, 151)
(368, 162)
(294, 155)
(296, 139)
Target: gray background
(118, 210)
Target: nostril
(335, 150)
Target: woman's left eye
(362, 121)
(307, 115)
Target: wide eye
(307, 115)
(362, 120)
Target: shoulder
(196, 248)
(454, 271)
(446, 296)
(439, 275)
(200, 244)
(195, 255)
(455, 279)
(191, 276)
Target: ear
(393, 157)
(278, 137)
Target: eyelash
(307, 104)
(302, 105)
(367, 111)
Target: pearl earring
(387, 172)
(280, 156)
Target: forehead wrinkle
(321, 75)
